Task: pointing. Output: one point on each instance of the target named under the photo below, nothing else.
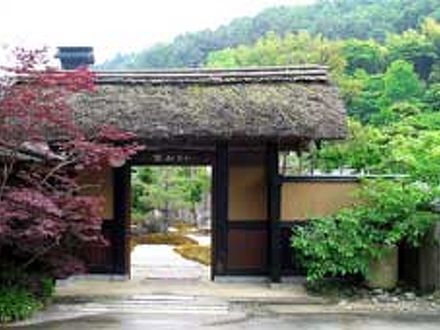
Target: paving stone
(161, 262)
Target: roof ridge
(216, 76)
(220, 70)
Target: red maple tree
(43, 149)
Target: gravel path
(161, 262)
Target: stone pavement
(234, 292)
(161, 262)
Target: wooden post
(273, 211)
(220, 210)
(120, 236)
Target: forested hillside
(334, 19)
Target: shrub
(35, 281)
(344, 243)
(17, 304)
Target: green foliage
(346, 242)
(363, 150)
(417, 155)
(400, 83)
(17, 304)
(394, 113)
(167, 188)
(431, 29)
(342, 19)
(33, 280)
(300, 48)
(367, 55)
(432, 97)
(362, 94)
(332, 246)
(413, 47)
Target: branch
(57, 168)
(38, 255)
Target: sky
(113, 26)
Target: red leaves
(31, 199)
(42, 215)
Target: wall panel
(305, 200)
(100, 183)
(247, 193)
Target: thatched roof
(280, 104)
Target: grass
(198, 253)
(162, 238)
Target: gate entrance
(170, 232)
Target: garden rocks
(394, 302)
(409, 296)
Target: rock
(409, 296)
(343, 303)
(430, 298)
(394, 300)
(377, 292)
(384, 298)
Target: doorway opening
(170, 226)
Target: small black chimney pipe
(74, 57)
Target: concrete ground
(184, 312)
(235, 291)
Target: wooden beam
(220, 197)
(273, 211)
(120, 234)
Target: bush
(343, 244)
(17, 304)
(33, 281)
(22, 292)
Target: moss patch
(198, 253)
(162, 238)
(183, 227)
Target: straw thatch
(282, 104)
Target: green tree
(360, 19)
(400, 83)
(168, 189)
(300, 48)
(368, 55)
(363, 150)
(413, 47)
(432, 97)
(362, 93)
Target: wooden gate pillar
(120, 236)
(273, 211)
(220, 204)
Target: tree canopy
(333, 19)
